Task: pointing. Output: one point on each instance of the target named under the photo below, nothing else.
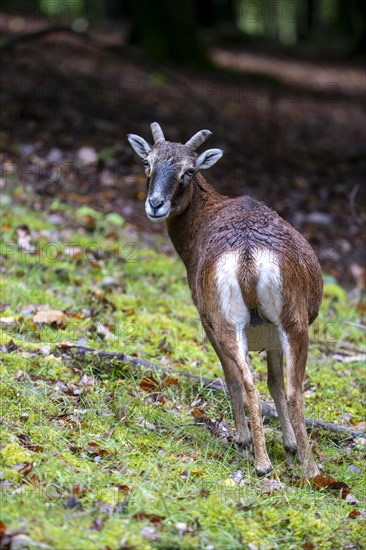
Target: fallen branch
(215, 385)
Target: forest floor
(100, 455)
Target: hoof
(261, 472)
(244, 445)
(291, 452)
(245, 448)
(291, 449)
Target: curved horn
(157, 132)
(198, 139)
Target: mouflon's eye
(187, 174)
(146, 164)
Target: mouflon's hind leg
(296, 345)
(234, 356)
(243, 437)
(276, 386)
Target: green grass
(86, 454)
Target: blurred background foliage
(181, 31)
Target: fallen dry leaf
(2, 528)
(10, 347)
(272, 485)
(353, 514)
(70, 389)
(24, 468)
(50, 317)
(359, 425)
(170, 381)
(153, 518)
(328, 482)
(145, 423)
(109, 432)
(341, 487)
(125, 489)
(149, 383)
(94, 449)
(77, 489)
(204, 492)
(66, 345)
(321, 482)
(200, 415)
(26, 442)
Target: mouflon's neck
(185, 228)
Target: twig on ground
(351, 347)
(215, 385)
(358, 325)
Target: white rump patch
(231, 300)
(233, 308)
(269, 286)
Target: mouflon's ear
(208, 158)
(139, 145)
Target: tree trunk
(168, 31)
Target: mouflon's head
(170, 170)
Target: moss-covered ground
(107, 458)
